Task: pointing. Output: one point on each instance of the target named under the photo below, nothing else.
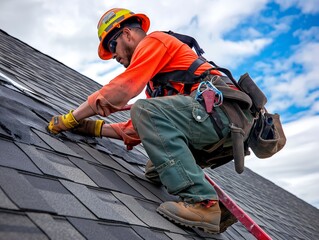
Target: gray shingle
(11, 156)
(158, 190)
(21, 192)
(80, 151)
(58, 198)
(138, 187)
(5, 202)
(57, 145)
(103, 204)
(133, 169)
(147, 233)
(147, 213)
(99, 231)
(102, 158)
(176, 236)
(18, 226)
(56, 165)
(55, 228)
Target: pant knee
(139, 109)
(136, 110)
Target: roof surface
(73, 187)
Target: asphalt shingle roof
(73, 187)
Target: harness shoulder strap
(196, 64)
(190, 41)
(227, 73)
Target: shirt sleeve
(127, 132)
(148, 59)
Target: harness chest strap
(161, 81)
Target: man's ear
(127, 34)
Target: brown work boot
(204, 215)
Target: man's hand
(90, 128)
(62, 123)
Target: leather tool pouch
(267, 137)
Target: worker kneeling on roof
(170, 123)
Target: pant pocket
(174, 177)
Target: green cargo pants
(168, 126)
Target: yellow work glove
(62, 123)
(90, 128)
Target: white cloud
(66, 30)
(102, 72)
(293, 81)
(306, 6)
(231, 53)
(306, 35)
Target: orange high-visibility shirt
(156, 53)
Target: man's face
(121, 48)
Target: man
(168, 126)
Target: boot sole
(206, 227)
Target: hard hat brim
(105, 54)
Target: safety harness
(235, 103)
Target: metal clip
(210, 94)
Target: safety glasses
(113, 42)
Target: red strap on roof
(243, 217)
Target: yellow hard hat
(111, 20)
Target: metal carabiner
(218, 99)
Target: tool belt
(249, 125)
(236, 105)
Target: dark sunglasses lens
(112, 46)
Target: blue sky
(287, 28)
(276, 42)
